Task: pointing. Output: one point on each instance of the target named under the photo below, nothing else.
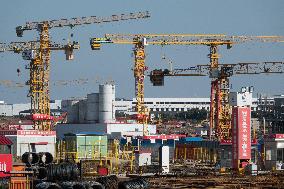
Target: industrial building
(31, 141)
(96, 113)
(96, 108)
(15, 109)
(157, 105)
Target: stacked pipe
(37, 162)
(32, 158)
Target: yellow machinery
(40, 67)
(39, 75)
(219, 112)
(223, 73)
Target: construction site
(116, 133)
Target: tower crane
(225, 71)
(40, 66)
(38, 82)
(140, 41)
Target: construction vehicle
(224, 72)
(40, 66)
(140, 41)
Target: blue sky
(254, 17)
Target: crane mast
(139, 75)
(40, 66)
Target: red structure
(5, 159)
(241, 136)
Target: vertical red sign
(5, 164)
(244, 133)
(241, 134)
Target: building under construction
(97, 141)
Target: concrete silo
(106, 102)
(92, 108)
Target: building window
(173, 109)
(162, 109)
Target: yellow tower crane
(142, 40)
(218, 87)
(40, 66)
(39, 90)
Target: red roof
(5, 141)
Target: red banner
(37, 117)
(244, 133)
(5, 164)
(165, 137)
(36, 132)
(241, 134)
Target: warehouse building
(15, 109)
(168, 104)
(31, 141)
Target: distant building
(271, 111)
(158, 105)
(15, 109)
(155, 105)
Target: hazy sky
(114, 62)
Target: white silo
(92, 115)
(105, 103)
(113, 100)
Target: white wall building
(31, 141)
(118, 129)
(15, 109)
(169, 104)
